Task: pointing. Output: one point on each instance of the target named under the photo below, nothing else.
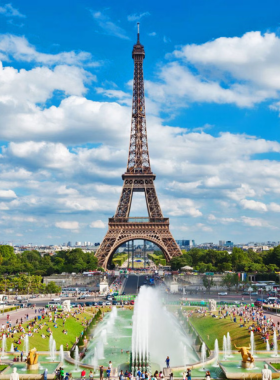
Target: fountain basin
(233, 370)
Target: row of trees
(26, 284)
(211, 260)
(33, 263)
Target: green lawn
(276, 366)
(72, 325)
(212, 328)
(2, 367)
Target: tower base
(121, 230)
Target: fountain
(229, 350)
(50, 346)
(61, 354)
(275, 345)
(216, 353)
(156, 333)
(104, 336)
(53, 350)
(4, 346)
(252, 341)
(76, 358)
(225, 347)
(12, 348)
(267, 345)
(26, 344)
(203, 354)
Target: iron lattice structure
(138, 177)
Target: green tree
(53, 288)
(208, 282)
(230, 280)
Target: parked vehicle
(222, 294)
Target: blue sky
(212, 82)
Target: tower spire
(138, 156)
(138, 32)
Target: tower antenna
(138, 31)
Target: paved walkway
(17, 314)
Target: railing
(139, 220)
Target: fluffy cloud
(7, 194)
(20, 49)
(137, 16)
(250, 204)
(240, 70)
(68, 225)
(97, 224)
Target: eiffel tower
(138, 178)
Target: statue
(32, 359)
(66, 306)
(266, 373)
(14, 375)
(212, 305)
(247, 358)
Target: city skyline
(212, 102)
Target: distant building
(229, 243)
(221, 243)
(78, 243)
(69, 244)
(186, 243)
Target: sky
(212, 86)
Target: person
(21, 356)
(83, 374)
(171, 376)
(160, 375)
(138, 374)
(61, 374)
(121, 376)
(108, 371)
(14, 375)
(45, 374)
(266, 373)
(167, 361)
(207, 375)
(189, 374)
(90, 375)
(101, 372)
(184, 375)
(110, 365)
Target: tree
(208, 282)
(230, 280)
(53, 288)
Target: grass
(276, 365)
(2, 367)
(212, 328)
(72, 325)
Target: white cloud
(108, 27)
(255, 222)
(248, 65)
(137, 16)
(8, 10)
(179, 207)
(7, 194)
(21, 50)
(97, 224)
(250, 204)
(68, 225)
(152, 34)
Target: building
(186, 243)
(221, 243)
(229, 243)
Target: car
(109, 298)
(101, 303)
(245, 294)
(73, 304)
(89, 303)
(132, 302)
(114, 302)
(125, 302)
(258, 303)
(254, 294)
(108, 303)
(222, 294)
